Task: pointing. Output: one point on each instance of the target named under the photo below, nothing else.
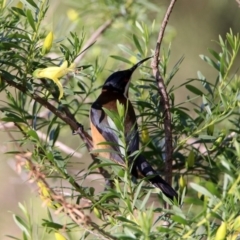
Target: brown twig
(64, 148)
(57, 201)
(164, 96)
(67, 117)
(238, 2)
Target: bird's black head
(119, 81)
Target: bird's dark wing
(142, 168)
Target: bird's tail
(141, 168)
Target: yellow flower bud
(72, 15)
(96, 212)
(43, 189)
(221, 232)
(210, 129)
(47, 44)
(233, 236)
(59, 236)
(236, 224)
(3, 4)
(145, 135)
(45, 195)
(133, 59)
(19, 5)
(191, 159)
(182, 182)
(218, 141)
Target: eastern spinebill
(116, 88)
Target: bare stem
(164, 96)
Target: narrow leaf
(30, 19)
(121, 59)
(210, 62)
(137, 44)
(200, 189)
(21, 224)
(194, 90)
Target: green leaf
(194, 90)
(215, 54)
(25, 236)
(53, 225)
(136, 194)
(53, 135)
(19, 11)
(137, 44)
(200, 189)
(12, 118)
(13, 237)
(206, 105)
(102, 165)
(23, 209)
(139, 26)
(21, 224)
(9, 46)
(210, 62)
(121, 59)
(30, 3)
(49, 215)
(204, 82)
(144, 202)
(179, 219)
(126, 50)
(193, 200)
(120, 109)
(32, 133)
(30, 19)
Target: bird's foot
(79, 130)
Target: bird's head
(119, 81)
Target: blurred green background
(193, 28)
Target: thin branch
(238, 2)
(67, 117)
(164, 96)
(64, 148)
(50, 197)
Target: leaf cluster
(206, 136)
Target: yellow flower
(59, 236)
(19, 5)
(182, 182)
(72, 14)
(221, 232)
(47, 44)
(54, 73)
(3, 4)
(44, 191)
(45, 195)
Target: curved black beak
(139, 63)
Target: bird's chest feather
(100, 124)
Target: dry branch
(164, 96)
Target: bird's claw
(79, 130)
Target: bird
(115, 89)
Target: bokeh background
(194, 27)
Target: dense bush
(48, 89)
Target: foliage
(206, 147)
